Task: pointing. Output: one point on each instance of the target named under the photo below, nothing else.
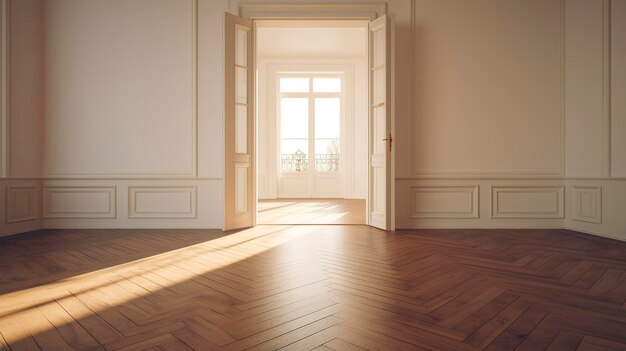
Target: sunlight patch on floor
(311, 211)
(20, 311)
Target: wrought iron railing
(299, 162)
(296, 162)
(327, 162)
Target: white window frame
(311, 95)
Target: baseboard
(20, 227)
(594, 233)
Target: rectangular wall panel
(444, 202)
(79, 202)
(527, 202)
(162, 202)
(587, 204)
(327, 186)
(293, 186)
(122, 71)
(584, 90)
(618, 88)
(483, 84)
(22, 203)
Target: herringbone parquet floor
(311, 211)
(312, 287)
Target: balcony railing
(299, 162)
(327, 162)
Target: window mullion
(312, 151)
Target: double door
(240, 129)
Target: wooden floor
(311, 211)
(312, 287)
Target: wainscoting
(79, 202)
(527, 202)
(597, 206)
(593, 206)
(132, 203)
(20, 205)
(479, 203)
(444, 202)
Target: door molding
(311, 11)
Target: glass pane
(294, 85)
(290, 146)
(241, 85)
(327, 118)
(241, 129)
(327, 156)
(327, 85)
(242, 45)
(294, 155)
(294, 118)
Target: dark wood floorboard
(312, 288)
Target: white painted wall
(112, 78)
(134, 111)
(584, 100)
(490, 109)
(20, 189)
(512, 124)
(618, 88)
(596, 118)
(286, 48)
(487, 138)
(26, 89)
(489, 85)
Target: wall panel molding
(80, 202)
(444, 202)
(5, 40)
(312, 10)
(606, 93)
(527, 202)
(192, 173)
(587, 204)
(420, 167)
(22, 203)
(165, 202)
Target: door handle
(390, 139)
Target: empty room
(312, 175)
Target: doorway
(318, 168)
(311, 121)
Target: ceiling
(312, 37)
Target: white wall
(495, 125)
(287, 48)
(133, 96)
(584, 101)
(597, 120)
(618, 88)
(487, 145)
(20, 189)
(512, 125)
(110, 78)
(489, 85)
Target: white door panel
(239, 184)
(380, 142)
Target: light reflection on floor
(311, 211)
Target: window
(310, 123)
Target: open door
(239, 144)
(379, 208)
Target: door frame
(325, 11)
